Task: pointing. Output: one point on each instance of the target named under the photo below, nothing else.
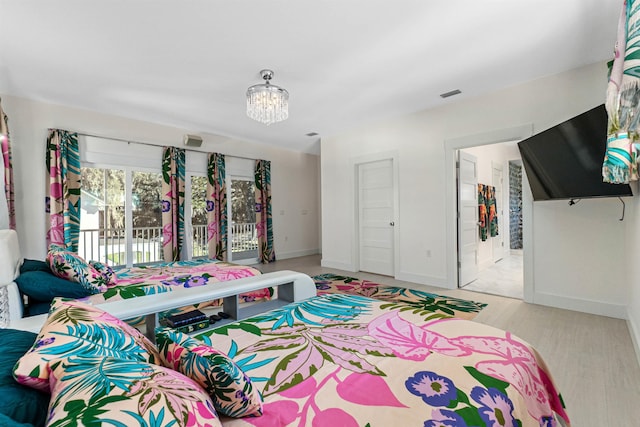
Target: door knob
(392, 223)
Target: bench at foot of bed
(291, 287)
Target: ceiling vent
(451, 93)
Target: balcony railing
(110, 244)
(243, 239)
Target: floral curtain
(620, 164)
(264, 218)
(8, 168)
(173, 178)
(217, 207)
(63, 189)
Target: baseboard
(634, 331)
(438, 282)
(618, 311)
(296, 254)
(337, 265)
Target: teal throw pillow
(20, 404)
(34, 265)
(44, 287)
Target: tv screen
(565, 161)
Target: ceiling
(345, 63)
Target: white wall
(294, 176)
(633, 271)
(564, 272)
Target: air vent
(312, 134)
(451, 93)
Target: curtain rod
(128, 141)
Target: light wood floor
(591, 357)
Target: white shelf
(291, 286)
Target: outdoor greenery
(105, 189)
(198, 200)
(243, 202)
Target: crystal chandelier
(267, 103)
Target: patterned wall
(515, 205)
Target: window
(121, 217)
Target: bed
(299, 359)
(313, 362)
(166, 277)
(65, 274)
(318, 361)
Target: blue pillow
(44, 287)
(34, 265)
(19, 403)
(6, 421)
(35, 307)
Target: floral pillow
(232, 392)
(107, 272)
(111, 391)
(77, 329)
(70, 266)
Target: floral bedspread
(347, 360)
(432, 305)
(158, 278)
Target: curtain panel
(63, 189)
(216, 207)
(5, 142)
(620, 164)
(264, 218)
(173, 183)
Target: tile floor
(504, 278)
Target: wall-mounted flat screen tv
(565, 161)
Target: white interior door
(498, 241)
(376, 217)
(467, 218)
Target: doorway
(500, 270)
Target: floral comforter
(158, 278)
(348, 360)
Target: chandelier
(267, 103)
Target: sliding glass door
(242, 226)
(198, 190)
(121, 218)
